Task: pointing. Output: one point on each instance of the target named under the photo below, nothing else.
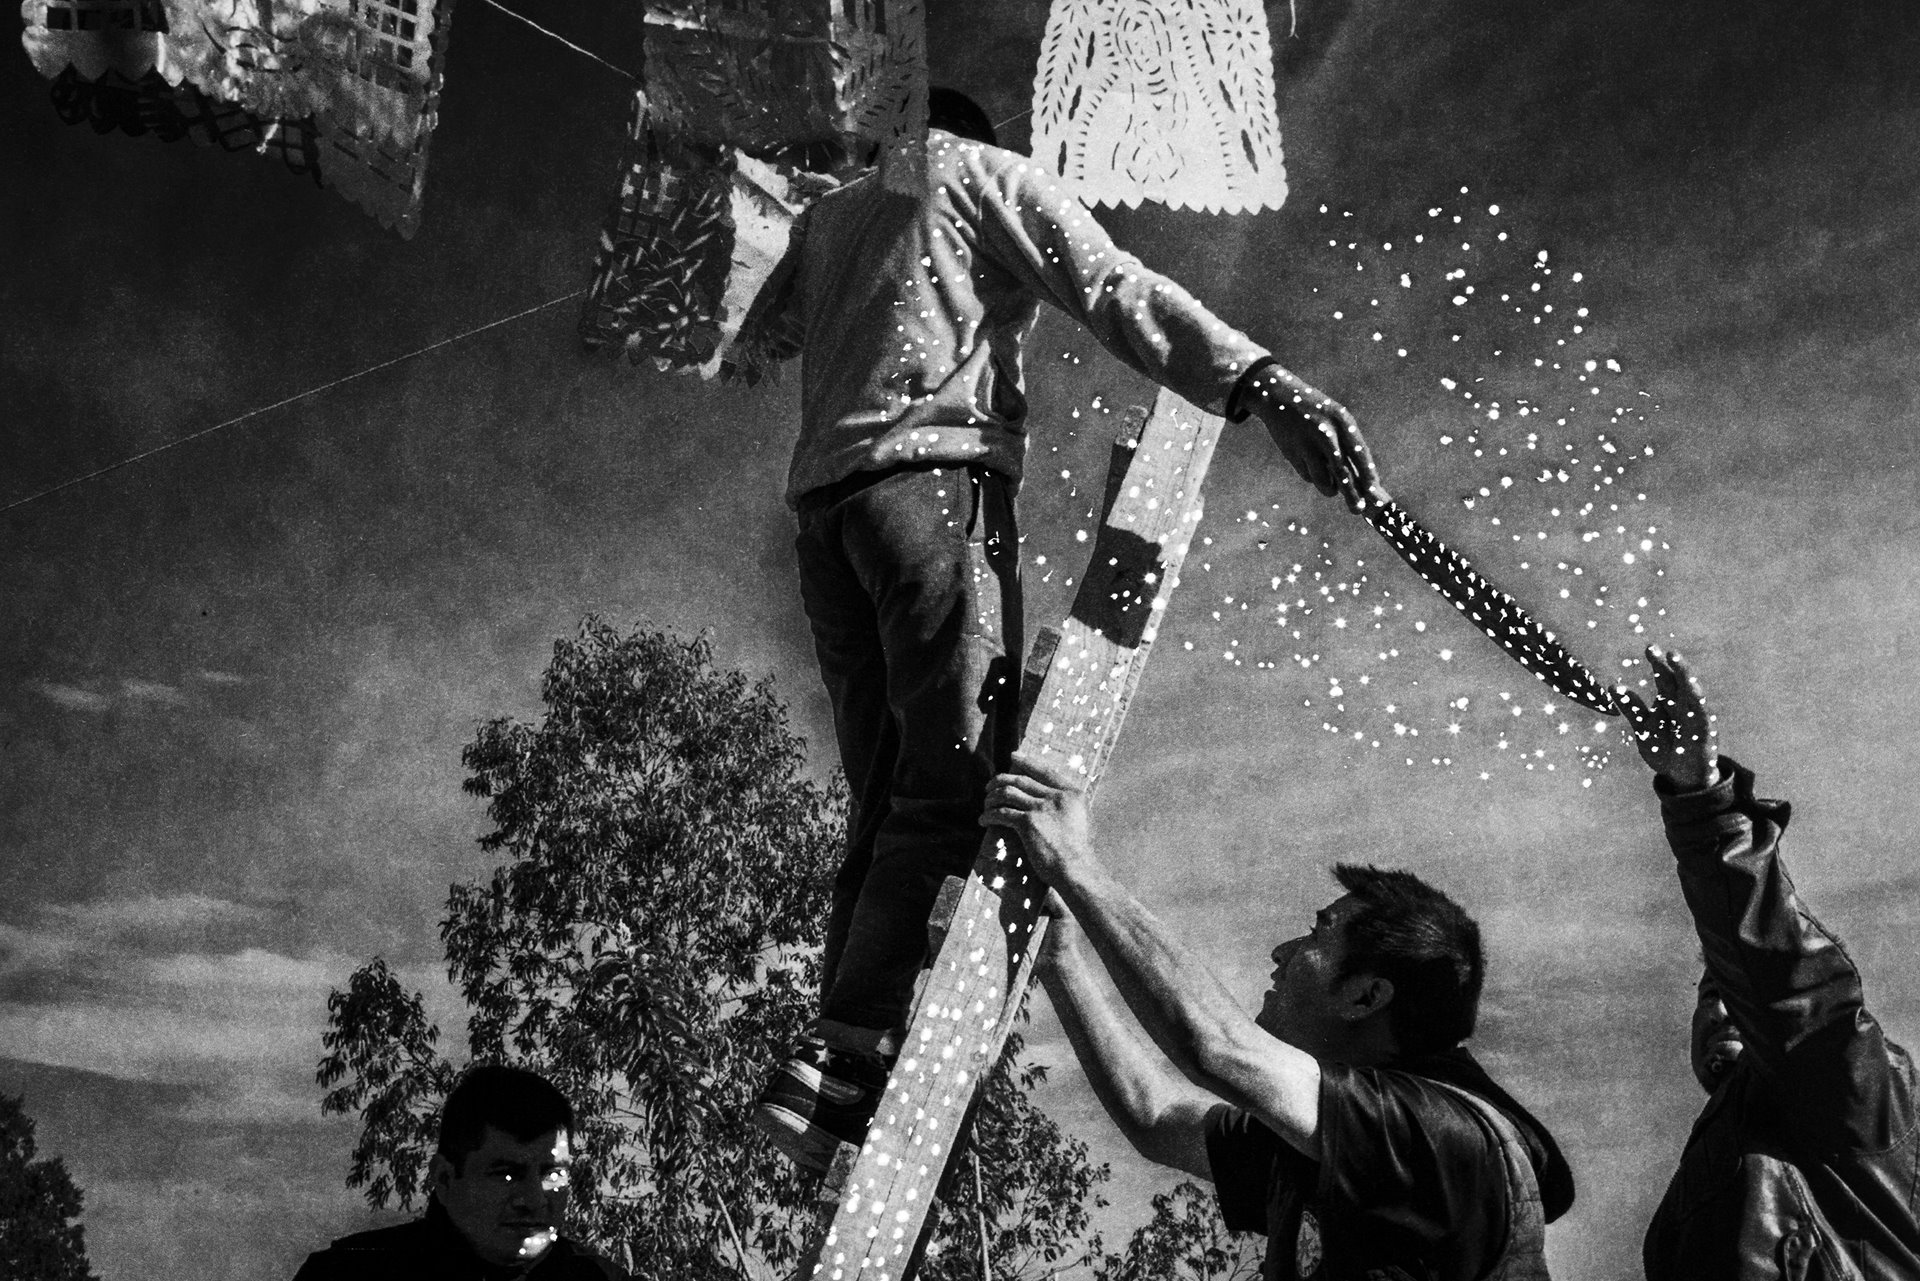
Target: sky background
(235, 679)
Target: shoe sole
(798, 1139)
(803, 1081)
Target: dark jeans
(911, 581)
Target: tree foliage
(1185, 1240)
(39, 1240)
(650, 943)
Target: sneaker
(820, 1099)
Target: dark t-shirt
(1410, 1183)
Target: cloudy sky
(235, 678)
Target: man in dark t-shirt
(1346, 1120)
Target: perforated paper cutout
(355, 82)
(705, 213)
(764, 74)
(1167, 100)
(684, 273)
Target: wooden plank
(1079, 680)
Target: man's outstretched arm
(1037, 231)
(1793, 991)
(1179, 1002)
(1160, 1113)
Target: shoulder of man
(1459, 1069)
(953, 161)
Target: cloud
(132, 690)
(159, 989)
(111, 917)
(90, 935)
(71, 697)
(152, 692)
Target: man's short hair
(959, 115)
(1423, 943)
(523, 1104)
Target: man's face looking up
(1303, 1005)
(507, 1196)
(1716, 1041)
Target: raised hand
(1675, 734)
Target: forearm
(1190, 1015)
(1783, 975)
(1160, 1114)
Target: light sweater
(914, 311)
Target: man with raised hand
(499, 1179)
(1806, 1160)
(1346, 1120)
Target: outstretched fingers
(1677, 685)
(1673, 730)
(1641, 719)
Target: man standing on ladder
(1346, 1121)
(913, 311)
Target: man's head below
(501, 1168)
(1391, 969)
(1716, 1041)
(959, 115)
(947, 109)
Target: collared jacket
(1805, 1162)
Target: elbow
(1139, 1110)
(1155, 1133)
(1147, 1107)
(1155, 1148)
(1215, 1052)
(1176, 1135)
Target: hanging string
(563, 40)
(280, 404)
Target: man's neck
(457, 1245)
(1369, 1044)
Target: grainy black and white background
(235, 678)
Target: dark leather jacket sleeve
(1787, 980)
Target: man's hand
(1317, 435)
(1047, 811)
(1675, 735)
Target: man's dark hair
(959, 115)
(1423, 943)
(524, 1104)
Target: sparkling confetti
(1534, 424)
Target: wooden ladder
(1077, 683)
